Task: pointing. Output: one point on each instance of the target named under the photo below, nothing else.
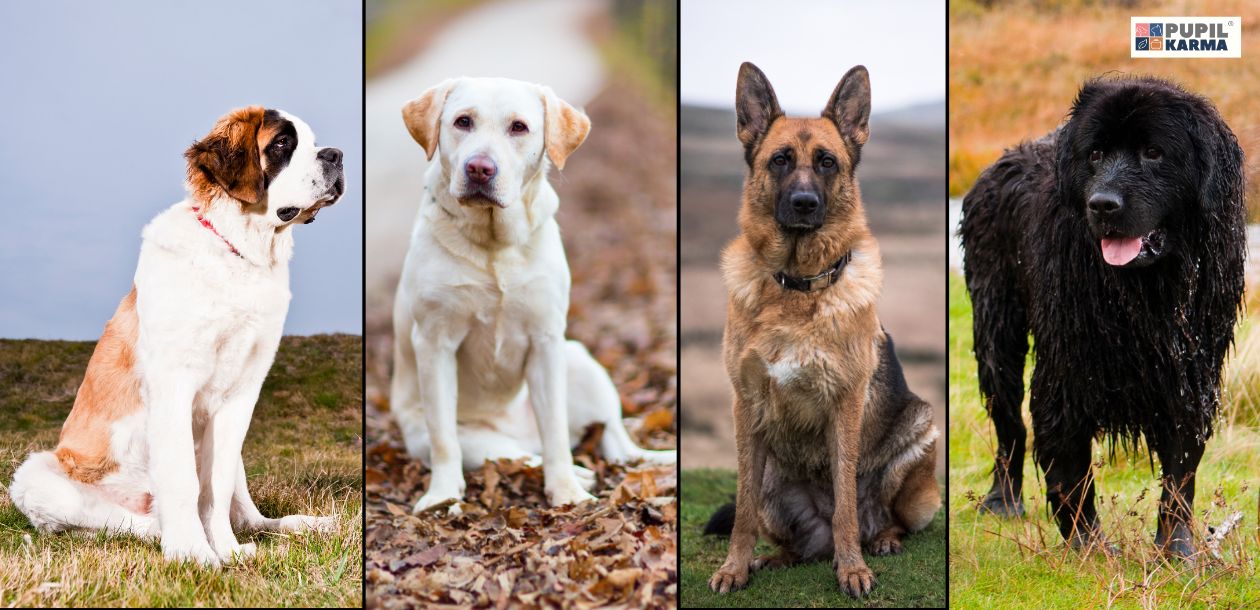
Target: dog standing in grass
(834, 451)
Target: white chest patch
(784, 370)
(788, 367)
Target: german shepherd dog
(834, 451)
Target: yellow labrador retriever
(480, 313)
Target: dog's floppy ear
(850, 106)
(1220, 160)
(756, 107)
(227, 159)
(566, 127)
(424, 114)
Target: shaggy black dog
(1118, 240)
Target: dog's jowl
(835, 453)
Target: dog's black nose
(804, 203)
(1105, 203)
(480, 169)
(331, 155)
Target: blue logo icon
(1142, 44)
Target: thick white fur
(480, 314)
(209, 325)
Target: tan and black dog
(834, 451)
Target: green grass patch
(303, 455)
(915, 578)
(1013, 563)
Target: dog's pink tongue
(1120, 250)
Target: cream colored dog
(480, 313)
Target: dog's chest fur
(800, 360)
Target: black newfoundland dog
(1118, 240)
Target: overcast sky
(98, 103)
(805, 47)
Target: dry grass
(1015, 69)
(303, 455)
(1009, 563)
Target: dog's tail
(722, 523)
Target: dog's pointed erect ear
(227, 160)
(756, 107)
(423, 116)
(850, 105)
(566, 127)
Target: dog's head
(803, 168)
(267, 161)
(1141, 159)
(494, 135)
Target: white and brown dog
(152, 446)
(481, 308)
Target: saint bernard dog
(152, 446)
(482, 370)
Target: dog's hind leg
(594, 399)
(480, 444)
(914, 506)
(53, 502)
(990, 232)
(1001, 345)
(246, 516)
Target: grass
(1015, 69)
(1000, 563)
(303, 454)
(915, 578)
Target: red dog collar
(206, 223)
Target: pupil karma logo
(1186, 37)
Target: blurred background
(98, 107)
(804, 48)
(618, 219)
(1015, 68)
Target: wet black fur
(1122, 353)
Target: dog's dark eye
(464, 122)
(1153, 153)
(779, 159)
(519, 127)
(827, 162)
(280, 143)
(1095, 156)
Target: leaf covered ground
(508, 549)
(303, 454)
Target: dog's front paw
(585, 477)
(308, 523)
(438, 500)
(569, 492)
(199, 553)
(729, 578)
(660, 458)
(237, 553)
(856, 579)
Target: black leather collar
(814, 282)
